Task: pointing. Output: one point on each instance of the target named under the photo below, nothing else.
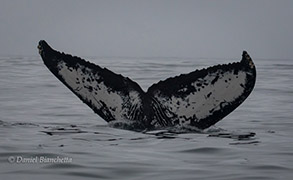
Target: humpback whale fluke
(200, 98)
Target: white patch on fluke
(207, 98)
(85, 83)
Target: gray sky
(149, 28)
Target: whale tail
(200, 98)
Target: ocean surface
(47, 133)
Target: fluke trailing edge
(200, 98)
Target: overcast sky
(149, 28)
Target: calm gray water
(41, 119)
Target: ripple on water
(37, 114)
(206, 150)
